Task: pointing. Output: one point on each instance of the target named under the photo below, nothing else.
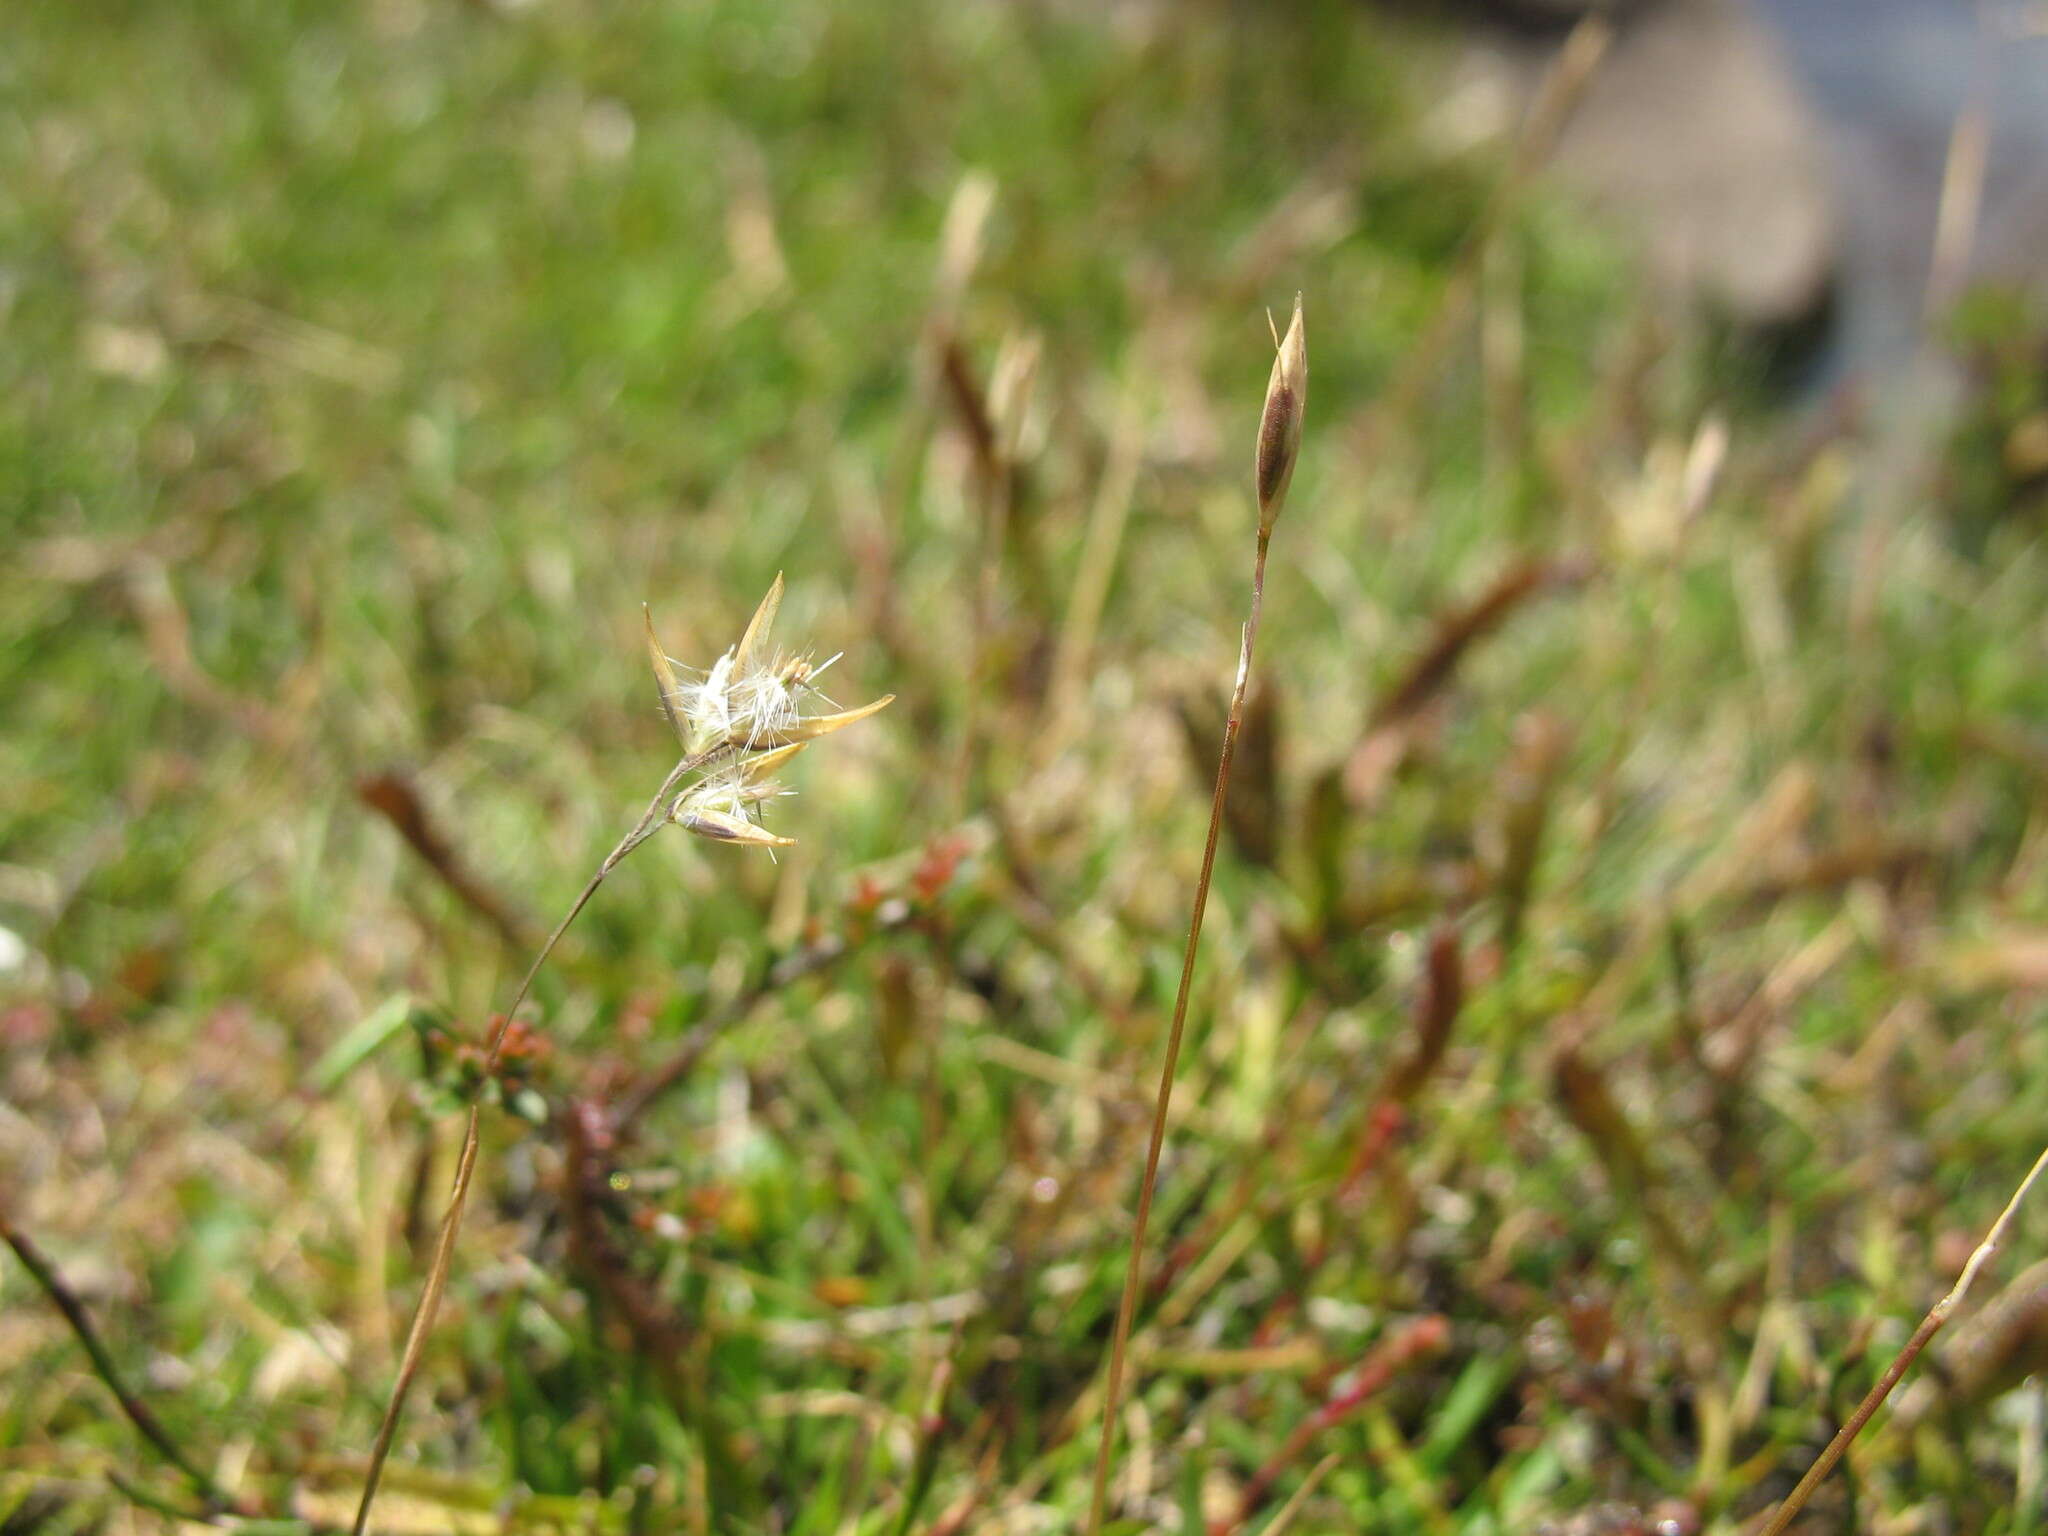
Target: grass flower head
(741, 721)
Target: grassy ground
(1618, 1017)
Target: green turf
(365, 367)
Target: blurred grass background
(366, 367)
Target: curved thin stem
(1134, 1274)
(465, 1168)
(1930, 1325)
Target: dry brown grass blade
(1421, 1337)
(1541, 743)
(964, 394)
(961, 237)
(992, 423)
(1252, 817)
(392, 795)
(1583, 1094)
(1458, 630)
(1960, 210)
(1437, 1006)
(1888, 862)
(168, 636)
(1392, 723)
(808, 961)
(1678, 1270)
(871, 554)
(1100, 549)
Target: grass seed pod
(1280, 422)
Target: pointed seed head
(665, 679)
(763, 765)
(758, 627)
(723, 827)
(1280, 422)
(814, 726)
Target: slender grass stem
(1134, 1273)
(1292, 1509)
(1930, 1325)
(465, 1168)
(932, 1430)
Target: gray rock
(1694, 136)
(1890, 80)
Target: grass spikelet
(708, 792)
(1280, 422)
(759, 625)
(665, 679)
(798, 732)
